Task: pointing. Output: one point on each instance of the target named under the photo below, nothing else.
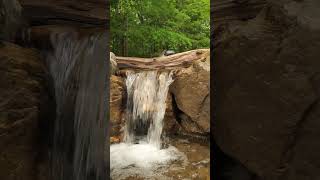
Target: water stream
(141, 153)
(79, 71)
(146, 105)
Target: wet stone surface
(194, 165)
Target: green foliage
(145, 28)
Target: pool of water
(182, 160)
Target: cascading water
(146, 105)
(141, 153)
(79, 70)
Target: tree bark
(184, 59)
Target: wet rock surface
(195, 163)
(170, 124)
(23, 108)
(267, 92)
(10, 18)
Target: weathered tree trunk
(184, 59)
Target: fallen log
(184, 59)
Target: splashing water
(141, 152)
(147, 93)
(79, 71)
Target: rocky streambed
(194, 163)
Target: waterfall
(146, 104)
(79, 70)
(141, 154)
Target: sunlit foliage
(145, 28)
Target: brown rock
(117, 104)
(267, 91)
(23, 99)
(192, 96)
(170, 123)
(63, 12)
(230, 10)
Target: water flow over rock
(79, 70)
(147, 93)
(140, 155)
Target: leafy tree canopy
(144, 28)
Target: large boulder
(191, 92)
(23, 111)
(267, 90)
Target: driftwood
(184, 59)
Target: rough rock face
(170, 125)
(117, 104)
(267, 90)
(191, 91)
(23, 107)
(113, 63)
(10, 14)
(88, 13)
(230, 10)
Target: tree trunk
(184, 59)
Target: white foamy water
(146, 104)
(140, 153)
(143, 159)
